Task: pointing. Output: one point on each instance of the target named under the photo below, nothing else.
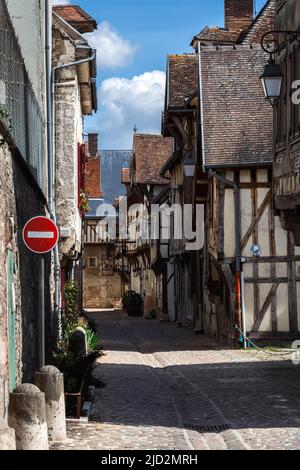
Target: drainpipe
(50, 152)
(239, 275)
(201, 108)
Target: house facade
(251, 263)
(246, 274)
(287, 123)
(103, 282)
(144, 186)
(75, 96)
(180, 122)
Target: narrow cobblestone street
(167, 389)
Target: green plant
(70, 314)
(92, 340)
(152, 315)
(84, 202)
(131, 297)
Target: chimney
(239, 14)
(93, 168)
(93, 144)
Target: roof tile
(183, 78)
(150, 154)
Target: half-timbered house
(250, 265)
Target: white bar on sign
(49, 235)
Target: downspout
(201, 108)
(239, 275)
(202, 156)
(50, 152)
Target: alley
(167, 389)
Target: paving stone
(161, 379)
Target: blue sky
(133, 41)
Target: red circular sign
(40, 235)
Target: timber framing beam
(264, 309)
(256, 220)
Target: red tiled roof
(182, 79)
(150, 154)
(76, 17)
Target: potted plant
(133, 303)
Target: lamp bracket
(270, 42)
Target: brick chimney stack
(93, 144)
(239, 14)
(93, 168)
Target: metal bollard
(51, 382)
(27, 416)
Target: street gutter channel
(230, 436)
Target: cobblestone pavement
(169, 389)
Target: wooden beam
(268, 280)
(292, 287)
(180, 127)
(256, 220)
(267, 259)
(220, 218)
(273, 269)
(175, 135)
(255, 185)
(266, 305)
(254, 199)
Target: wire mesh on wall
(17, 99)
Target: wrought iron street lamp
(189, 166)
(272, 76)
(271, 80)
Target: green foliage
(130, 297)
(70, 315)
(74, 368)
(92, 341)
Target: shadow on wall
(29, 203)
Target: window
(92, 262)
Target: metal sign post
(41, 235)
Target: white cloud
(60, 2)
(113, 50)
(128, 102)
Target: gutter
(51, 156)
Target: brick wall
(238, 14)
(93, 177)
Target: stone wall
(68, 135)
(100, 290)
(20, 200)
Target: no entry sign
(40, 235)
